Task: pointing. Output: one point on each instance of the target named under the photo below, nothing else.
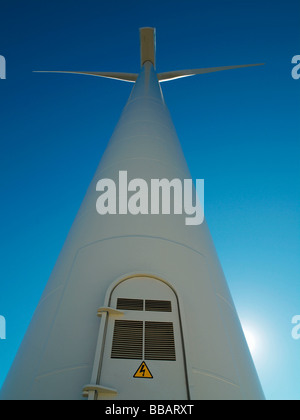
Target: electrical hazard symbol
(143, 372)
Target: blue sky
(239, 130)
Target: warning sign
(143, 372)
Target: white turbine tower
(137, 306)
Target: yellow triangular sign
(143, 372)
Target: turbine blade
(172, 75)
(125, 77)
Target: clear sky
(240, 131)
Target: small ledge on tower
(99, 389)
(110, 311)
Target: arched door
(143, 355)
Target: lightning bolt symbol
(142, 370)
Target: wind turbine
(137, 306)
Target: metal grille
(130, 304)
(159, 341)
(128, 340)
(158, 305)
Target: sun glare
(251, 340)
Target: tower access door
(143, 355)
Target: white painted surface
(56, 358)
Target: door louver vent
(130, 304)
(128, 340)
(158, 305)
(159, 341)
(150, 305)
